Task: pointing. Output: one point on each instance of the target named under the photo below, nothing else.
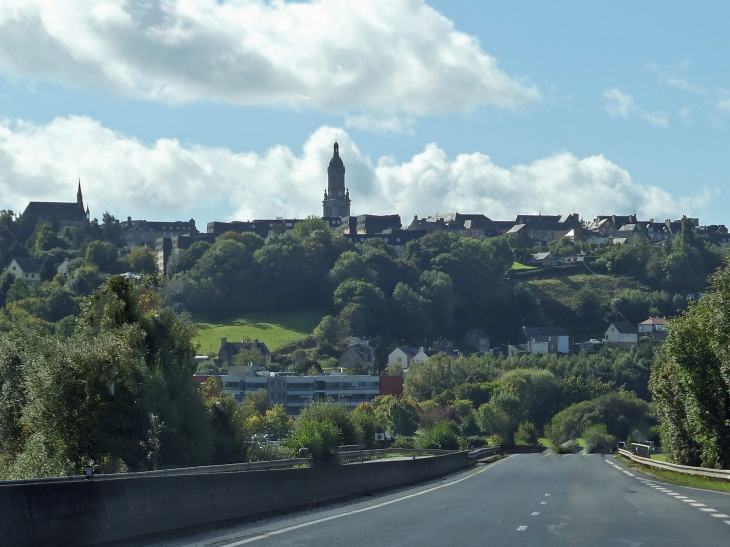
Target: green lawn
(518, 266)
(274, 329)
(679, 479)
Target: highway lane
(521, 500)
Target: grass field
(518, 266)
(678, 478)
(273, 329)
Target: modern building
(58, 213)
(27, 269)
(621, 335)
(336, 201)
(261, 227)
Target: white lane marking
(681, 497)
(543, 503)
(629, 474)
(356, 511)
(547, 494)
(521, 528)
(689, 501)
(720, 515)
(538, 512)
(726, 521)
(708, 510)
(697, 504)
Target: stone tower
(336, 198)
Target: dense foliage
(690, 381)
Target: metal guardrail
(723, 474)
(345, 457)
(201, 470)
(479, 453)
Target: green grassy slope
(558, 298)
(274, 329)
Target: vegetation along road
(521, 500)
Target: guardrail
(723, 474)
(201, 470)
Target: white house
(27, 269)
(654, 328)
(621, 335)
(543, 340)
(62, 268)
(402, 356)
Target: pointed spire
(79, 195)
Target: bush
(320, 438)
(404, 442)
(597, 438)
(442, 436)
(526, 434)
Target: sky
(228, 109)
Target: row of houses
(556, 340)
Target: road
(529, 499)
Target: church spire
(79, 195)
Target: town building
(357, 353)
(540, 340)
(654, 328)
(228, 350)
(58, 213)
(620, 335)
(261, 227)
(166, 246)
(27, 269)
(336, 201)
(145, 233)
(477, 340)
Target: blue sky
(228, 110)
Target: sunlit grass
(273, 329)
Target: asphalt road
(526, 499)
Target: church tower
(336, 198)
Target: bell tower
(336, 201)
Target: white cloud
(724, 105)
(166, 180)
(619, 103)
(672, 80)
(369, 55)
(381, 124)
(686, 115)
(623, 105)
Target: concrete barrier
(64, 513)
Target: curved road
(529, 499)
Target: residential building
(375, 224)
(27, 269)
(477, 340)
(62, 268)
(261, 227)
(632, 233)
(621, 335)
(544, 259)
(228, 350)
(165, 247)
(359, 353)
(391, 385)
(442, 346)
(139, 233)
(58, 213)
(542, 229)
(541, 340)
(398, 239)
(336, 201)
(402, 356)
(476, 226)
(350, 389)
(654, 327)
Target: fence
(722, 474)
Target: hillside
(558, 298)
(274, 329)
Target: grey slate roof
(28, 265)
(52, 210)
(625, 328)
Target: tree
(326, 330)
(308, 225)
(103, 255)
(526, 434)
(256, 402)
(277, 422)
(398, 415)
(249, 357)
(142, 260)
(691, 383)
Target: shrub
(441, 436)
(597, 438)
(321, 438)
(404, 442)
(526, 434)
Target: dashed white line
(535, 513)
(697, 504)
(726, 521)
(543, 503)
(708, 510)
(689, 501)
(521, 528)
(547, 494)
(681, 497)
(720, 515)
